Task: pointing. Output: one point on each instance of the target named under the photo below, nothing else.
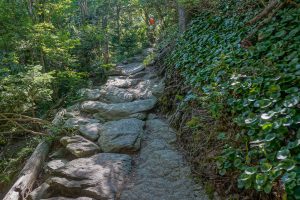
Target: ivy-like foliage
(257, 84)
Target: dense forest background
(231, 67)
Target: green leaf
(297, 192)
(291, 101)
(292, 145)
(265, 103)
(270, 137)
(292, 90)
(283, 154)
(268, 188)
(261, 179)
(288, 177)
(268, 116)
(265, 167)
(250, 170)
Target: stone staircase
(122, 150)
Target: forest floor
(121, 149)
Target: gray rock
(161, 171)
(59, 153)
(43, 191)
(121, 136)
(54, 165)
(90, 94)
(141, 116)
(152, 116)
(77, 121)
(79, 146)
(117, 111)
(59, 118)
(101, 176)
(158, 88)
(138, 75)
(147, 89)
(90, 131)
(132, 68)
(64, 198)
(73, 114)
(74, 108)
(122, 83)
(113, 94)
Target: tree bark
(181, 18)
(29, 173)
(106, 41)
(271, 5)
(83, 9)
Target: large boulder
(79, 146)
(121, 136)
(90, 131)
(119, 110)
(100, 177)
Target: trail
(122, 150)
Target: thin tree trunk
(83, 5)
(181, 18)
(118, 23)
(106, 42)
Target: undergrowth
(254, 87)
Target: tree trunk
(83, 5)
(181, 18)
(106, 42)
(29, 173)
(118, 23)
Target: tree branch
(271, 5)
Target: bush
(23, 92)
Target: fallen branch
(272, 5)
(29, 173)
(20, 126)
(263, 23)
(24, 117)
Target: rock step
(123, 136)
(101, 176)
(161, 172)
(79, 146)
(119, 110)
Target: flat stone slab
(121, 136)
(54, 165)
(147, 89)
(100, 177)
(161, 172)
(90, 94)
(132, 68)
(122, 83)
(120, 110)
(77, 121)
(114, 94)
(79, 146)
(90, 131)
